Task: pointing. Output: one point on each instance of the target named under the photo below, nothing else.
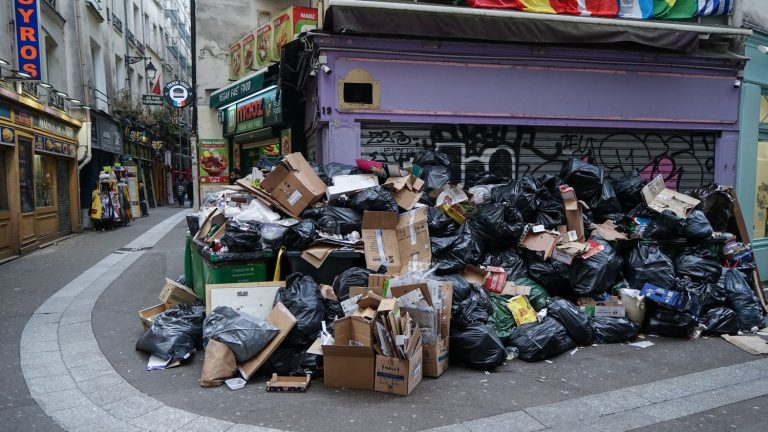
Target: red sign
(250, 110)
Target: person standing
(143, 200)
(180, 190)
(190, 192)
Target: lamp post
(149, 69)
(151, 72)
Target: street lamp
(149, 69)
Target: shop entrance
(62, 194)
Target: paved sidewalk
(79, 364)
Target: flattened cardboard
(435, 358)
(174, 293)
(659, 198)
(294, 184)
(573, 218)
(288, 384)
(316, 255)
(379, 235)
(262, 195)
(413, 238)
(281, 318)
(515, 290)
(608, 231)
(254, 298)
(348, 366)
(216, 218)
(147, 315)
(754, 345)
(543, 242)
(405, 190)
(349, 184)
(475, 275)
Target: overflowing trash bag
(614, 330)
(242, 236)
(461, 288)
(426, 157)
(175, 333)
(452, 254)
(475, 308)
(697, 227)
(648, 264)
(496, 225)
(439, 223)
(629, 189)
(372, 199)
(301, 295)
(193, 224)
(301, 235)
(539, 341)
(272, 236)
(598, 273)
(716, 204)
(606, 205)
(435, 177)
(697, 268)
(477, 345)
(347, 219)
(351, 277)
(719, 321)
(244, 334)
(710, 295)
(511, 262)
(485, 178)
(501, 321)
(553, 276)
(576, 322)
(743, 301)
(665, 322)
(664, 226)
(586, 179)
(291, 361)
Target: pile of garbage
(527, 268)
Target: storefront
(106, 149)
(39, 199)
(752, 179)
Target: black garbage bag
(710, 295)
(697, 227)
(614, 330)
(496, 225)
(452, 254)
(426, 157)
(743, 301)
(193, 224)
(334, 169)
(302, 297)
(716, 203)
(174, 333)
(372, 199)
(576, 322)
(328, 225)
(333, 310)
(242, 236)
(628, 190)
(348, 220)
(501, 321)
(439, 223)
(552, 184)
(598, 273)
(526, 197)
(551, 212)
(244, 334)
(698, 269)
(272, 235)
(299, 236)
(540, 341)
(586, 179)
(606, 205)
(553, 276)
(477, 346)
(664, 226)
(475, 308)
(539, 297)
(351, 277)
(485, 178)
(720, 321)
(665, 322)
(435, 176)
(461, 288)
(511, 262)
(294, 361)
(648, 264)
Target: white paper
(156, 363)
(642, 344)
(412, 297)
(349, 305)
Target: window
(45, 181)
(3, 179)
(761, 175)
(26, 177)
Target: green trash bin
(225, 268)
(189, 278)
(196, 261)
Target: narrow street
(71, 325)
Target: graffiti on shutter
(685, 159)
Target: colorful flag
(156, 90)
(641, 9)
(603, 8)
(715, 7)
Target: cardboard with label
(174, 293)
(284, 320)
(612, 307)
(659, 198)
(401, 376)
(491, 278)
(413, 238)
(350, 365)
(294, 184)
(254, 298)
(379, 233)
(573, 217)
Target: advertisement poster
(213, 164)
(133, 189)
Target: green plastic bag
(539, 297)
(502, 321)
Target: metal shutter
(685, 158)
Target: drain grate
(126, 249)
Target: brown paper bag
(218, 365)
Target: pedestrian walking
(180, 190)
(190, 192)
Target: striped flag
(715, 7)
(603, 8)
(641, 9)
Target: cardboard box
(174, 293)
(435, 357)
(667, 297)
(349, 184)
(348, 366)
(289, 384)
(566, 252)
(284, 320)
(214, 219)
(573, 217)
(289, 24)
(413, 238)
(405, 190)
(659, 198)
(401, 376)
(379, 235)
(253, 298)
(294, 184)
(543, 242)
(604, 308)
(264, 45)
(147, 315)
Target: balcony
(131, 38)
(116, 23)
(95, 7)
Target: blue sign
(28, 37)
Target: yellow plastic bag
(521, 310)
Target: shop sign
(152, 100)
(213, 163)
(44, 144)
(237, 91)
(28, 36)
(178, 94)
(53, 126)
(7, 136)
(135, 135)
(157, 144)
(255, 113)
(23, 118)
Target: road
(70, 326)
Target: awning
(455, 22)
